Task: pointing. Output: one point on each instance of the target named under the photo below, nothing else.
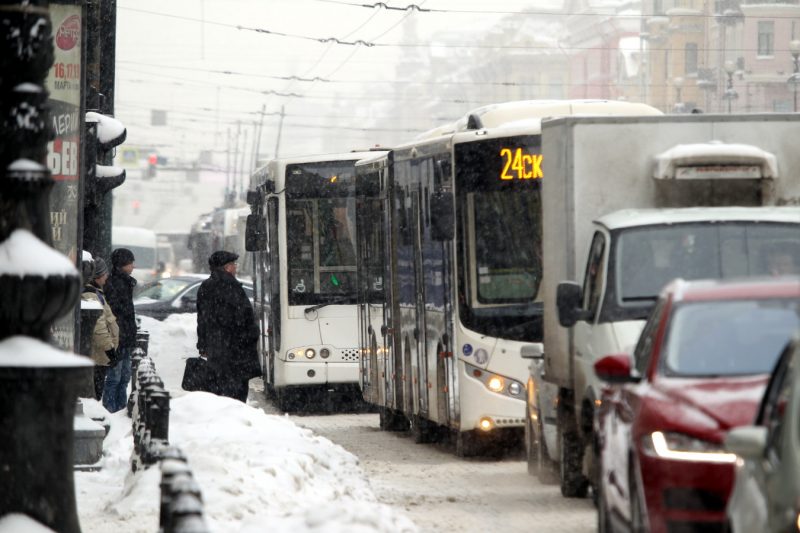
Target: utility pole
(242, 168)
(232, 192)
(280, 127)
(257, 151)
(228, 166)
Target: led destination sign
(518, 165)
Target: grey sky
(164, 62)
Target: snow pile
(20, 523)
(257, 472)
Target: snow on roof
(27, 352)
(496, 115)
(628, 218)
(714, 153)
(28, 88)
(86, 256)
(24, 254)
(20, 523)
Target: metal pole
(280, 127)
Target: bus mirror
(442, 219)
(255, 235)
(253, 197)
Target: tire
(573, 483)
(637, 508)
(284, 400)
(603, 518)
(530, 445)
(467, 444)
(546, 468)
(422, 430)
(383, 417)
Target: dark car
(168, 296)
(699, 370)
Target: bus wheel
(422, 430)
(283, 399)
(467, 444)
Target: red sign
(68, 34)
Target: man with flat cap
(227, 333)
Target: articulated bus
(304, 271)
(449, 261)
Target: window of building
(690, 59)
(766, 38)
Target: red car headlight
(682, 447)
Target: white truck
(628, 205)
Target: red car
(699, 369)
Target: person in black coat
(227, 333)
(119, 293)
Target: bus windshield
(498, 185)
(320, 233)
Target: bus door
(273, 290)
(394, 206)
(419, 332)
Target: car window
(191, 293)
(731, 337)
(162, 290)
(644, 348)
(777, 405)
(593, 281)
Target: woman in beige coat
(105, 339)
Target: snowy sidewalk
(257, 472)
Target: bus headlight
(324, 353)
(310, 353)
(495, 384)
(514, 388)
(485, 423)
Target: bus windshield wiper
(340, 300)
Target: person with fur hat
(227, 333)
(119, 292)
(105, 338)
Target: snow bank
(257, 472)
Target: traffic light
(152, 165)
(102, 134)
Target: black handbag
(195, 375)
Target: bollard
(169, 469)
(190, 524)
(181, 507)
(143, 341)
(158, 415)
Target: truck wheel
(573, 483)
(546, 468)
(530, 445)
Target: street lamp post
(678, 84)
(794, 48)
(730, 92)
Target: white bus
(304, 272)
(450, 268)
(144, 245)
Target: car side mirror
(255, 236)
(569, 298)
(615, 368)
(531, 351)
(748, 442)
(442, 216)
